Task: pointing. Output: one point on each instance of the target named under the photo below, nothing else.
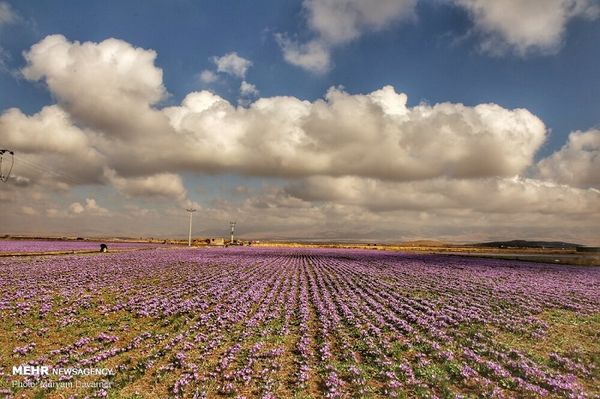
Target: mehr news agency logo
(29, 370)
(43, 371)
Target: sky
(387, 120)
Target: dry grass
(568, 334)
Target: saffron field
(299, 323)
(37, 246)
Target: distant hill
(423, 243)
(527, 244)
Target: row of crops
(281, 323)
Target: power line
(45, 169)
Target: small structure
(215, 241)
(103, 248)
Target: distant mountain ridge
(527, 244)
(424, 243)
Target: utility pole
(232, 224)
(4, 175)
(191, 211)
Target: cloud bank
(105, 116)
(352, 158)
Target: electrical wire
(45, 169)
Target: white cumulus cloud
(489, 195)
(339, 21)
(370, 135)
(27, 210)
(165, 185)
(312, 56)
(577, 163)
(76, 208)
(232, 64)
(207, 76)
(518, 26)
(48, 144)
(90, 207)
(248, 89)
(525, 26)
(108, 85)
(7, 14)
(335, 22)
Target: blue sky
(443, 51)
